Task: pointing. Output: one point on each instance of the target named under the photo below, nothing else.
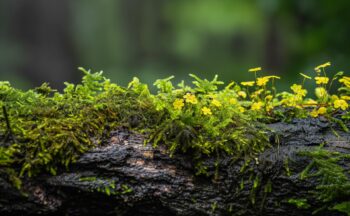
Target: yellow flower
(233, 101)
(206, 111)
(242, 94)
(345, 97)
(345, 80)
(257, 105)
(249, 83)
(268, 97)
(190, 98)
(321, 80)
(320, 92)
(342, 104)
(261, 81)
(216, 103)
(318, 68)
(241, 109)
(314, 113)
(298, 90)
(305, 76)
(178, 104)
(255, 69)
(334, 97)
(322, 110)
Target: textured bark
(167, 186)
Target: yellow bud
(321, 92)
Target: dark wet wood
(146, 181)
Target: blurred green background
(43, 40)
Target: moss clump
(44, 130)
(49, 130)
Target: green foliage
(204, 121)
(52, 129)
(343, 207)
(107, 186)
(7, 154)
(44, 130)
(299, 203)
(334, 183)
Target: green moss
(106, 186)
(299, 203)
(333, 189)
(43, 130)
(51, 129)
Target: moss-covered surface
(331, 169)
(43, 130)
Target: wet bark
(146, 181)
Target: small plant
(299, 203)
(334, 183)
(106, 186)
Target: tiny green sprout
(299, 203)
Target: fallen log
(125, 177)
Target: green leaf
(343, 207)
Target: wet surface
(142, 180)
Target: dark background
(46, 40)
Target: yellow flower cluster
(321, 111)
(261, 81)
(242, 94)
(340, 103)
(248, 83)
(318, 68)
(298, 90)
(233, 101)
(190, 98)
(241, 109)
(263, 99)
(345, 80)
(216, 103)
(206, 111)
(257, 105)
(178, 104)
(321, 80)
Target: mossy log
(125, 177)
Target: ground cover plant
(43, 130)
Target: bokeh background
(43, 40)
